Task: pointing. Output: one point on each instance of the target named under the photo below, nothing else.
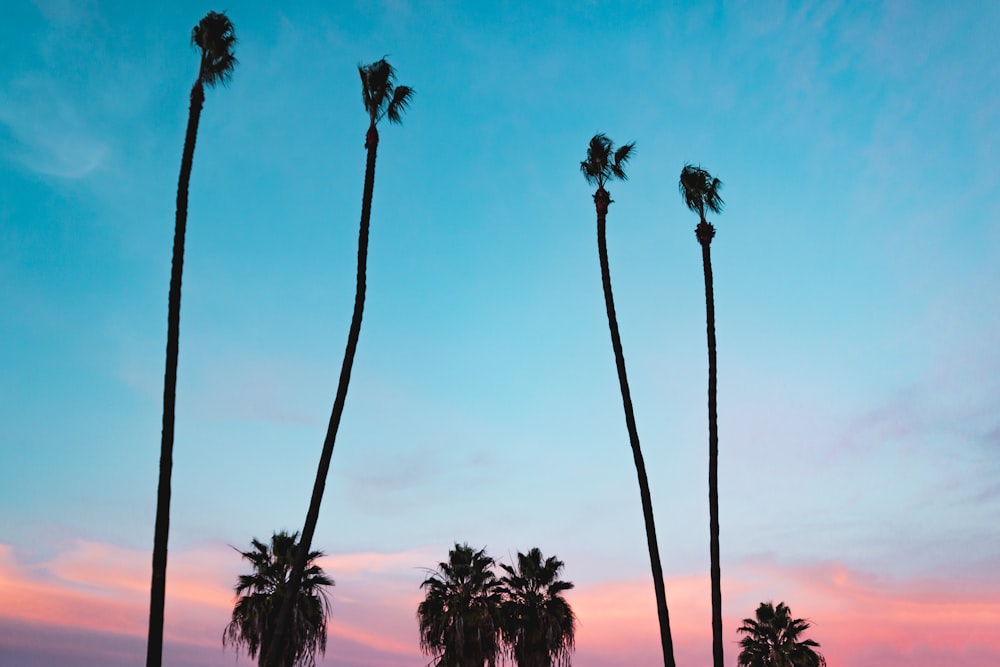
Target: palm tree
(603, 163)
(382, 99)
(700, 192)
(259, 597)
(773, 640)
(215, 36)
(460, 615)
(536, 621)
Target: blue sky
(856, 275)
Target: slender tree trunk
(157, 594)
(305, 543)
(705, 232)
(602, 200)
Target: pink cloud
(859, 613)
(859, 618)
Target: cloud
(917, 622)
(93, 595)
(101, 590)
(50, 136)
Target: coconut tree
(774, 639)
(460, 616)
(215, 37)
(382, 99)
(537, 623)
(701, 192)
(261, 593)
(603, 164)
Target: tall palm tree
(382, 99)
(215, 36)
(537, 623)
(603, 163)
(259, 597)
(773, 639)
(701, 192)
(460, 615)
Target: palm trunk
(157, 594)
(602, 200)
(705, 232)
(305, 543)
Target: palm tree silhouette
(460, 616)
(773, 640)
(700, 192)
(382, 99)
(259, 597)
(215, 36)
(537, 623)
(603, 163)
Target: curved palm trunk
(157, 594)
(305, 543)
(602, 200)
(705, 232)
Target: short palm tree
(382, 99)
(603, 163)
(774, 639)
(215, 37)
(460, 616)
(537, 623)
(701, 192)
(259, 597)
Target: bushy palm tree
(382, 99)
(261, 593)
(537, 623)
(215, 37)
(701, 192)
(604, 163)
(460, 616)
(774, 639)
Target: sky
(857, 294)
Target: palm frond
(366, 96)
(401, 97)
(624, 153)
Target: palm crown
(603, 162)
(261, 593)
(538, 624)
(381, 96)
(773, 639)
(215, 36)
(458, 618)
(700, 190)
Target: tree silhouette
(537, 623)
(215, 37)
(603, 163)
(259, 598)
(382, 99)
(460, 616)
(700, 192)
(773, 639)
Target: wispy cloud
(49, 134)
